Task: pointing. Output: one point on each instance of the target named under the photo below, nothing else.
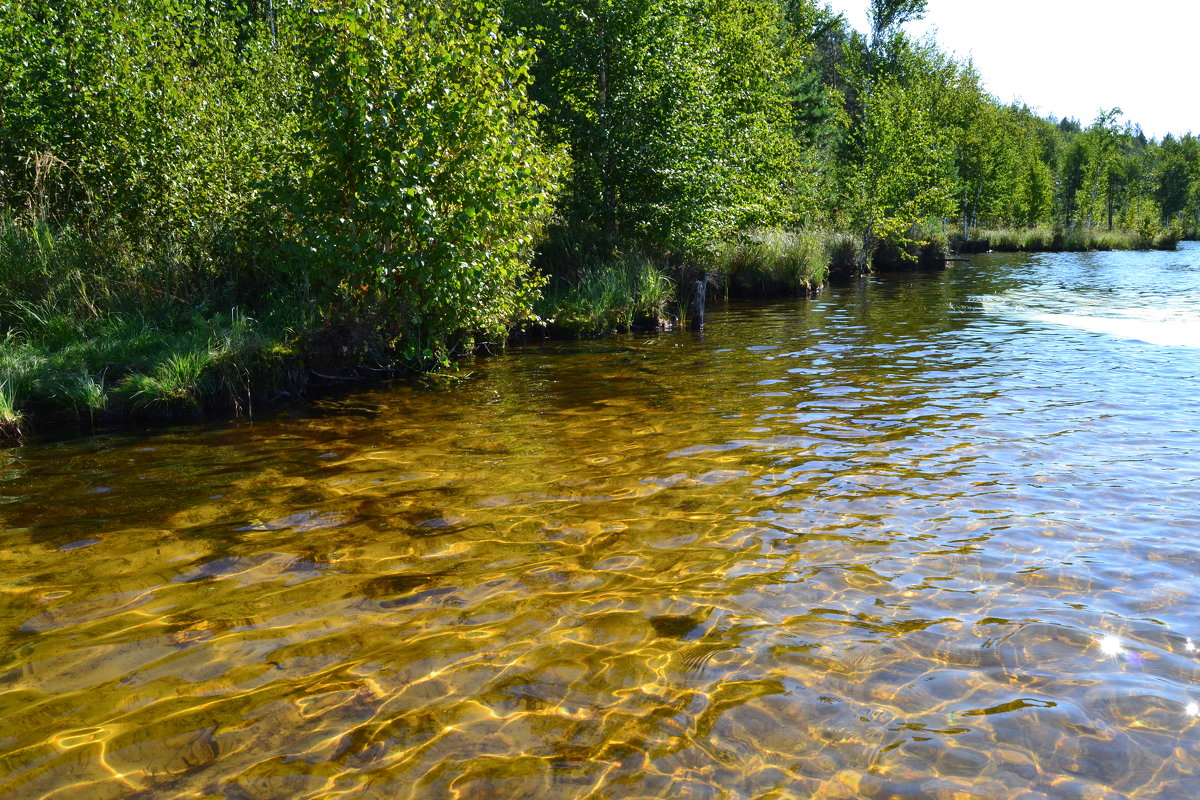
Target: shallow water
(929, 536)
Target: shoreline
(265, 372)
(1057, 240)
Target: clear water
(928, 536)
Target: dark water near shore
(928, 536)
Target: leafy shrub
(914, 248)
(165, 115)
(428, 185)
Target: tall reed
(1043, 239)
(771, 262)
(617, 295)
(11, 416)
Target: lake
(930, 535)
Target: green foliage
(427, 185)
(774, 262)
(115, 364)
(1101, 162)
(676, 114)
(10, 417)
(162, 160)
(615, 295)
(898, 169)
(1177, 188)
(150, 112)
(914, 248)
(886, 15)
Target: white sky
(1071, 58)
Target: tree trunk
(1110, 204)
(609, 191)
(867, 246)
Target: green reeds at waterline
(121, 365)
(178, 384)
(845, 250)
(81, 395)
(1074, 240)
(87, 333)
(10, 415)
(625, 293)
(771, 263)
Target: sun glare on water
(1110, 646)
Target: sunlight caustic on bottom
(906, 539)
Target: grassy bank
(775, 263)
(125, 365)
(90, 332)
(1079, 240)
(632, 292)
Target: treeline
(208, 200)
(915, 138)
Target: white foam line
(1151, 324)
(1170, 333)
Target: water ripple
(909, 539)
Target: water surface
(926, 536)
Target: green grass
(593, 295)
(1043, 239)
(123, 365)
(81, 395)
(1030, 240)
(90, 333)
(10, 415)
(773, 262)
(178, 383)
(626, 292)
(844, 252)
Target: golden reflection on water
(869, 546)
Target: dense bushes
(157, 116)
(168, 164)
(380, 145)
(675, 113)
(426, 185)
